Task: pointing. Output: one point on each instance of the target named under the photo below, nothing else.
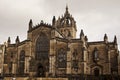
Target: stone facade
(52, 50)
(1, 59)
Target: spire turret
(81, 35)
(105, 38)
(86, 39)
(54, 20)
(66, 8)
(41, 22)
(17, 39)
(30, 24)
(9, 40)
(67, 14)
(115, 39)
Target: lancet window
(62, 58)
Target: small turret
(9, 40)
(17, 40)
(86, 39)
(105, 38)
(30, 24)
(41, 22)
(115, 40)
(81, 35)
(54, 20)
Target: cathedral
(53, 51)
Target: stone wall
(27, 78)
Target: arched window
(22, 62)
(75, 60)
(62, 58)
(10, 67)
(95, 54)
(42, 47)
(75, 53)
(42, 53)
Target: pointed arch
(42, 47)
(62, 58)
(95, 54)
(42, 54)
(22, 62)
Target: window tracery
(42, 47)
(22, 62)
(95, 54)
(75, 60)
(62, 58)
(10, 67)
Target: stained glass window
(22, 62)
(61, 57)
(10, 67)
(75, 61)
(95, 54)
(42, 47)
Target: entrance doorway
(40, 71)
(96, 72)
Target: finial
(53, 21)
(30, 24)
(9, 41)
(81, 35)
(41, 22)
(105, 38)
(17, 39)
(115, 39)
(86, 39)
(30, 21)
(66, 9)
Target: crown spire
(66, 10)
(66, 7)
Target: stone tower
(67, 25)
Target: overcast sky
(95, 17)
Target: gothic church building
(52, 50)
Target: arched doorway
(96, 72)
(40, 71)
